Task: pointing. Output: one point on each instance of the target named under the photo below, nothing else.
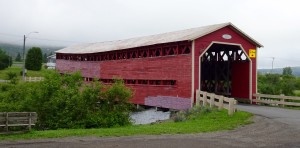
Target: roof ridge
(227, 23)
(161, 38)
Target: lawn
(18, 70)
(213, 121)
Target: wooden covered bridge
(165, 70)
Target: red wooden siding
(162, 68)
(88, 69)
(159, 68)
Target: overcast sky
(273, 23)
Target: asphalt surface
(285, 116)
(273, 127)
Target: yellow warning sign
(252, 53)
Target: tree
(4, 60)
(18, 58)
(288, 85)
(269, 84)
(34, 59)
(287, 71)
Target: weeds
(192, 113)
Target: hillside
(13, 50)
(296, 71)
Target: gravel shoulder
(264, 132)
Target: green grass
(15, 62)
(214, 121)
(297, 92)
(17, 70)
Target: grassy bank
(17, 70)
(213, 121)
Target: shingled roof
(182, 35)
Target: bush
(15, 97)
(113, 106)
(191, 113)
(12, 76)
(66, 102)
(180, 116)
(277, 84)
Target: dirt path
(265, 132)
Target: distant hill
(13, 50)
(296, 71)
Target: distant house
(51, 61)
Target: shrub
(15, 97)
(180, 116)
(66, 102)
(12, 76)
(112, 107)
(69, 103)
(191, 113)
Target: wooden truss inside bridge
(216, 68)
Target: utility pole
(273, 58)
(23, 71)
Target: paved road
(286, 116)
(273, 127)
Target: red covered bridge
(166, 69)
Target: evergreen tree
(18, 58)
(34, 59)
(4, 60)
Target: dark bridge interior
(225, 71)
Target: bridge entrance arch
(226, 69)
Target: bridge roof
(182, 35)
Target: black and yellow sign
(252, 53)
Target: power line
(8, 34)
(44, 39)
(56, 40)
(278, 58)
(12, 42)
(292, 60)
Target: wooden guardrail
(16, 119)
(33, 79)
(276, 99)
(216, 100)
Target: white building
(51, 61)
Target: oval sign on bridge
(226, 36)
